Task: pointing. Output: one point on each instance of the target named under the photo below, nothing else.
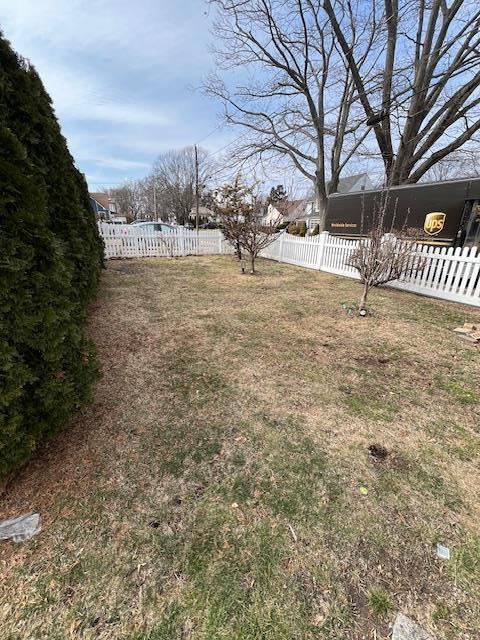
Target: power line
(214, 153)
(219, 126)
(210, 153)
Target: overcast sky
(122, 75)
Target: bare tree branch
(289, 104)
(439, 74)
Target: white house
(284, 211)
(203, 212)
(304, 210)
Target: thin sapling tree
(385, 255)
(256, 236)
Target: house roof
(288, 207)
(345, 185)
(202, 211)
(101, 198)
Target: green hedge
(283, 225)
(302, 229)
(50, 261)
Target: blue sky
(123, 76)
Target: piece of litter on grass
(443, 552)
(404, 628)
(21, 528)
(294, 535)
(363, 491)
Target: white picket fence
(132, 241)
(450, 274)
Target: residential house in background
(105, 207)
(285, 211)
(352, 184)
(304, 210)
(205, 214)
(349, 184)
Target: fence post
(322, 241)
(220, 243)
(183, 247)
(280, 252)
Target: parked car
(150, 226)
(209, 225)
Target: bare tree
(240, 213)
(131, 199)
(298, 101)
(462, 163)
(173, 178)
(385, 255)
(257, 236)
(421, 96)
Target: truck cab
(468, 234)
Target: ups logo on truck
(434, 222)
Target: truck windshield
(472, 230)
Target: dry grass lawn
(212, 490)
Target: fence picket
(427, 251)
(474, 274)
(463, 268)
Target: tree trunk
(363, 299)
(252, 263)
(384, 143)
(320, 201)
(334, 180)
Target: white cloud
(145, 31)
(80, 96)
(115, 163)
(118, 72)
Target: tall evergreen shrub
(302, 228)
(50, 262)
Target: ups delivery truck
(446, 213)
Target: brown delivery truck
(446, 213)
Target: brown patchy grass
(212, 489)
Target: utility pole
(155, 199)
(197, 203)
